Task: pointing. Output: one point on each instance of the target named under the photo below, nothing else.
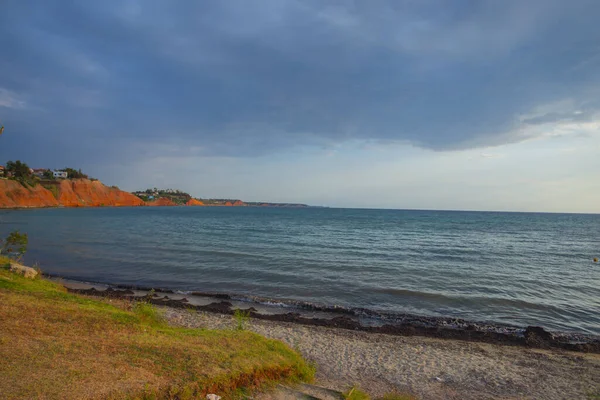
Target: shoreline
(352, 319)
(428, 368)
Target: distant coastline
(85, 192)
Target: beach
(428, 368)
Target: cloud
(9, 99)
(113, 79)
(489, 155)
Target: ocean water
(513, 268)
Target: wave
(453, 300)
(367, 316)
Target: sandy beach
(429, 368)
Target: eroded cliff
(194, 202)
(15, 195)
(66, 193)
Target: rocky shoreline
(343, 318)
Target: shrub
(15, 245)
(48, 175)
(241, 319)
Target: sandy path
(429, 368)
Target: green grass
(4, 261)
(58, 345)
(53, 188)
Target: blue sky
(483, 105)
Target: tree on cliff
(48, 174)
(18, 169)
(72, 173)
(20, 172)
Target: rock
(539, 331)
(27, 272)
(212, 397)
(538, 336)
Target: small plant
(147, 313)
(37, 268)
(241, 319)
(191, 310)
(594, 395)
(15, 245)
(354, 393)
(397, 396)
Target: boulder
(212, 397)
(27, 272)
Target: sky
(468, 105)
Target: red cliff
(15, 195)
(67, 193)
(194, 202)
(161, 201)
(87, 193)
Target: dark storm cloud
(127, 79)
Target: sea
(518, 269)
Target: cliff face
(194, 202)
(86, 193)
(15, 195)
(161, 201)
(67, 193)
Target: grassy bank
(58, 345)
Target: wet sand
(429, 368)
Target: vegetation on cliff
(177, 197)
(20, 172)
(161, 202)
(58, 345)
